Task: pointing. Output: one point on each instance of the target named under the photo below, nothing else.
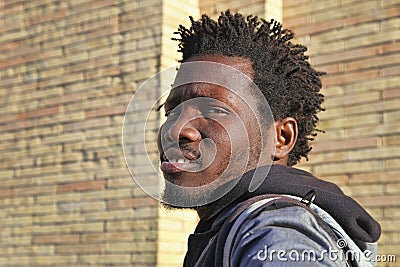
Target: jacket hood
(280, 179)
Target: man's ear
(286, 136)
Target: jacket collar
(280, 179)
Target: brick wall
(357, 44)
(67, 72)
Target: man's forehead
(201, 90)
(213, 79)
(228, 72)
(197, 90)
(244, 65)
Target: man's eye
(215, 110)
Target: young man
(225, 156)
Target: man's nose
(189, 133)
(184, 129)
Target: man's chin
(175, 197)
(180, 197)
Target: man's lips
(176, 167)
(178, 160)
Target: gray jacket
(286, 235)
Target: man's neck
(201, 211)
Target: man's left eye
(215, 110)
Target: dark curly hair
(281, 69)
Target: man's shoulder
(276, 230)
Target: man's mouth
(180, 160)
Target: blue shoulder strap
(228, 233)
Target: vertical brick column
(273, 9)
(214, 8)
(357, 44)
(174, 226)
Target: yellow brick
(392, 164)
(373, 84)
(347, 32)
(120, 182)
(392, 116)
(376, 153)
(109, 215)
(58, 218)
(28, 172)
(390, 225)
(350, 121)
(364, 190)
(391, 140)
(136, 247)
(6, 174)
(375, 107)
(348, 167)
(20, 240)
(37, 250)
(62, 118)
(374, 130)
(171, 259)
(62, 178)
(108, 132)
(114, 236)
(17, 220)
(393, 188)
(38, 260)
(6, 136)
(171, 247)
(141, 225)
(25, 200)
(141, 213)
(375, 177)
(34, 229)
(21, 34)
(81, 249)
(391, 212)
(83, 226)
(60, 197)
(37, 209)
(372, 39)
(54, 259)
(107, 194)
(142, 259)
(326, 157)
(5, 251)
(350, 100)
(110, 259)
(391, 23)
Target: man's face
(211, 133)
